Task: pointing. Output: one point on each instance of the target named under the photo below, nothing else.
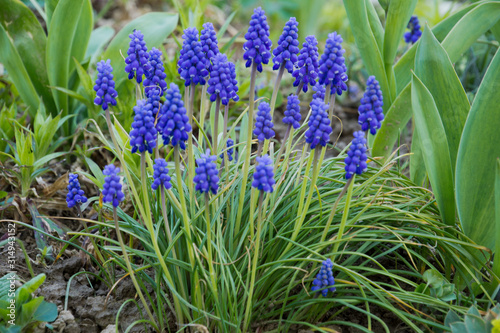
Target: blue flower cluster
(264, 122)
(155, 77)
(208, 39)
(112, 188)
(230, 150)
(222, 82)
(263, 177)
(324, 279)
(292, 112)
(206, 178)
(173, 123)
(370, 110)
(319, 124)
(105, 85)
(332, 68)
(193, 63)
(143, 134)
(160, 175)
(414, 34)
(137, 57)
(153, 102)
(355, 161)
(258, 45)
(307, 65)
(320, 91)
(288, 46)
(75, 193)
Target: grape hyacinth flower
(192, 62)
(137, 57)
(264, 123)
(221, 83)
(370, 110)
(153, 102)
(332, 68)
(324, 279)
(320, 91)
(160, 175)
(263, 177)
(258, 45)
(286, 51)
(112, 188)
(208, 40)
(230, 150)
(319, 125)
(206, 178)
(143, 134)
(75, 195)
(155, 77)
(105, 85)
(307, 69)
(414, 34)
(292, 112)
(355, 162)
(173, 123)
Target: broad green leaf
(476, 161)
(417, 166)
(50, 6)
(155, 26)
(98, 39)
(33, 284)
(434, 146)
(376, 26)
(59, 46)
(30, 41)
(28, 309)
(82, 35)
(45, 312)
(496, 258)
(436, 71)
(10, 59)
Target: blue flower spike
(112, 188)
(319, 125)
(143, 134)
(173, 122)
(230, 150)
(263, 177)
(307, 68)
(320, 91)
(155, 77)
(292, 112)
(414, 34)
(222, 82)
(324, 279)
(137, 63)
(332, 68)
(153, 102)
(208, 40)
(355, 161)
(258, 45)
(370, 110)
(105, 85)
(206, 178)
(161, 179)
(288, 46)
(75, 196)
(264, 123)
(193, 63)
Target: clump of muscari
(155, 77)
(230, 150)
(206, 178)
(105, 85)
(264, 123)
(263, 177)
(160, 175)
(324, 279)
(112, 188)
(258, 45)
(370, 110)
(414, 34)
(222, 82)
(292, 112)
(143, 134)
(75, 196)
(332, 68)
(137, 63)
(306, 72)
(285, 54)
(173, 122)
(193, 63)
(355, 161)
(319, 125)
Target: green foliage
(29, 310)
(474, 322)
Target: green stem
(334, 210)
(273, 99)
(203, 113)
(209, 246)
(330, 109)
(327, 93)
(283, 144)
(299, 88)
(191, 150)
(215, 134)
(344, 218)
(224, 143)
